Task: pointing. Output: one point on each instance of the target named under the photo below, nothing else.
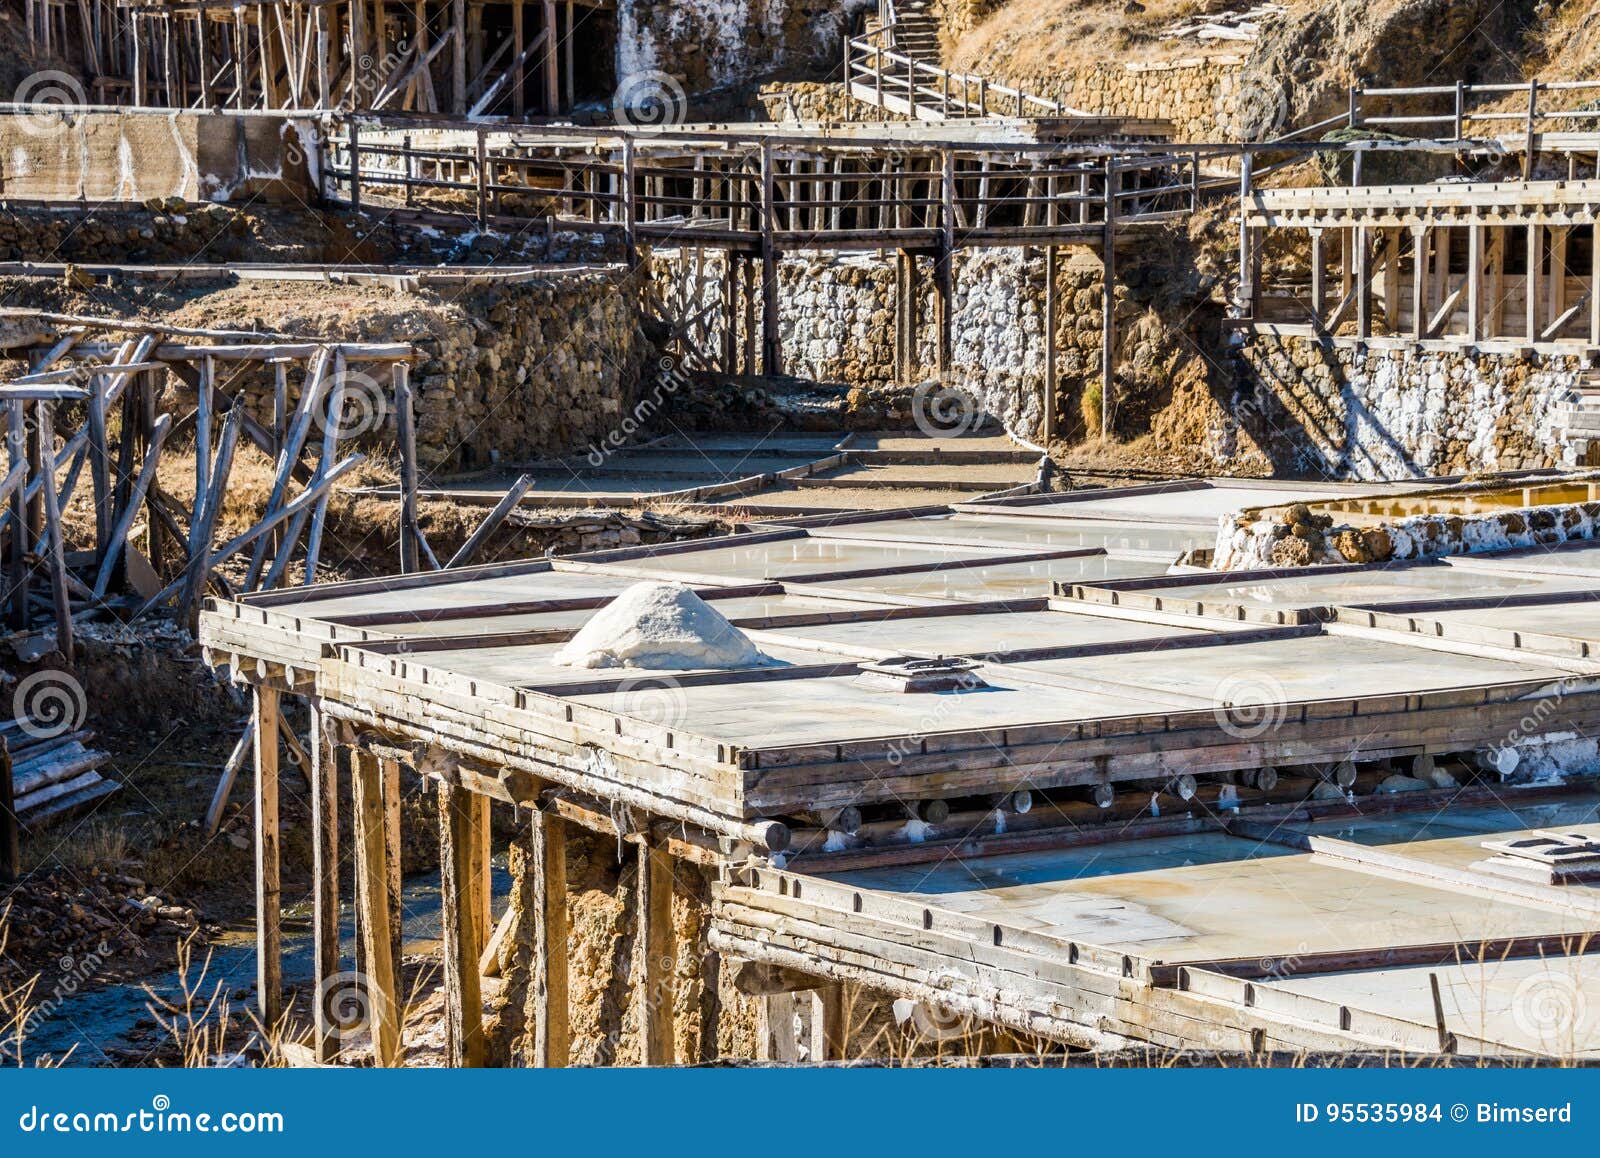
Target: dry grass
(1030, 38)
(17, 1009)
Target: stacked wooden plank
(1244, 25)
(52, 772)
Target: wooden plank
(552, 1040)
(372, 899)
(657, 956)
(269, 895)
(458, 837)
(324, 879)
(393, 883)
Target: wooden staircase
(915, 32)
(897, 65)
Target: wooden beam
(269, 894)
(324, 879)
(372, 901)
(1475, 310)
(394, 881)
(552, 1031)
(458, 840)
(657, 950)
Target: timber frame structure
(429, 56)
(797, 798)
(118, 388)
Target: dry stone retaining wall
(1372, 414)
(838, 324)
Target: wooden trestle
(467, 57)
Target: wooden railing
(883, 77)
(789, 193)
(1462, 111)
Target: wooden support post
(944, 274)
(1495, 292)
(552, 1031)
(657, 952)
(56, 546)
(1443, 235)
(1391, 280)
(518, 38)
(406, 434)
(372, 901)
(325, 878)
(1531, 295)
(394, 881)
(771, 331)
(552, 57)
(269, 894)
(1419, 281)
(17, 579)
(458, 58)
(1319, 279)
(1557, 295)
(1247, 289)
(1363, 286)
(1051, 308)
(1475, 307)
(1108, 302)
(458, 860)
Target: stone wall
(837, 315)
(1315, 408)
(511, 368)
(811, 102)
(1199, 95)
(1297, 537)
